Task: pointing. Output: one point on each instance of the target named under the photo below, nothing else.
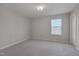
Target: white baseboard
(48, 39)
(9, 45)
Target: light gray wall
(41, 28)
(13, 27)
(77, 35)
(75, 27)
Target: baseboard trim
(50, 40)
(12, 44)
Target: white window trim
(61, 27)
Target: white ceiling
(29, 9)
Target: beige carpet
(40, 48)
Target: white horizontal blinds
(56, 26)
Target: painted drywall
(75, 27)
(13, 27)
(77, 31)
(41, 28)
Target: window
(56, 26)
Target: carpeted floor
(40, 48)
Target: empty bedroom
(39, 29)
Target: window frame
(61, 26)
